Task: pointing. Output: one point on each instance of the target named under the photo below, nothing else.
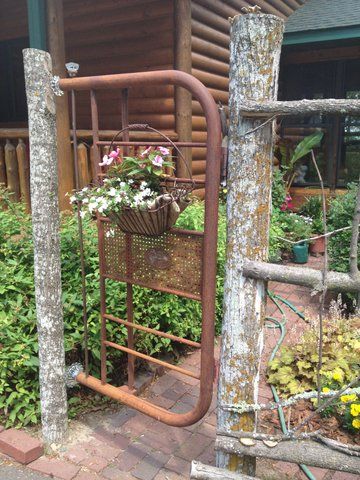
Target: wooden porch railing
(15, 159)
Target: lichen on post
(46, 225)
(255, 44)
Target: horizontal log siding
(210, 53)
(120, 37)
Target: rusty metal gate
(180, 262)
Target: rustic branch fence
(254, 59)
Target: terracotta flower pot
(317, 247)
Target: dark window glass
(339, 155)
(12, 83)
(348, 168)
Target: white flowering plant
(132, 182)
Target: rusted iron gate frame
(209, 248)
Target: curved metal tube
(213, 144)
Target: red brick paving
(127, 445)
(20, 445)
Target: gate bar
(144, 142)
(209, 261)
(152, 359)
(158, 333)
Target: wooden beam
(307, 452)
(199, 471)
(56, 41)
(289, 56)
(182, 61)
(330, 106)
(306, 277)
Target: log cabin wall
(117, 37)
(210, 53)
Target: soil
(329, 427)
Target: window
(339, 155)
(13, 107)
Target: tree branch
(306, 277)
(250, 108)
(354, 271)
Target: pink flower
(163, 150)
(145, 152)
(158, 161)
(114, 154)
(106, 161)
(287, 205)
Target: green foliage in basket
(19, 382)
(133, 182)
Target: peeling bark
(306, 277)
(307, 452)
(200, 471)
(330, 106)
(45, 221)
(254, 64)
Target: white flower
(164, 151)
(130, 181)
(82, 213)
(92, 206)
(73, 199)
(106, 161)
(110, 233)
(112, 192)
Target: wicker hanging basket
(162, 213)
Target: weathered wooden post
(45, 220)
(255, 44)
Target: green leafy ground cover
(19, 386)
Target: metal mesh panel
(169, 262)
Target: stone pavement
(127, 445)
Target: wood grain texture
(254, 67)
(307, 452)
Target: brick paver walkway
(125, 444)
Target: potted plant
(313, 208)
(138, 193)
(297, 228)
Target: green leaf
(305, 146)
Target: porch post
(56, 42)
(182, 61)
(37, 23)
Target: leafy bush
(294, 369)
(340, 215)
(312, 208)
(19, 384)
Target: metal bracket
(71, 373)
(55, 86)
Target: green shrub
(294, 369)
(312, 208)
(19, 384)
(340, 215)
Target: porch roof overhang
(322, 35)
